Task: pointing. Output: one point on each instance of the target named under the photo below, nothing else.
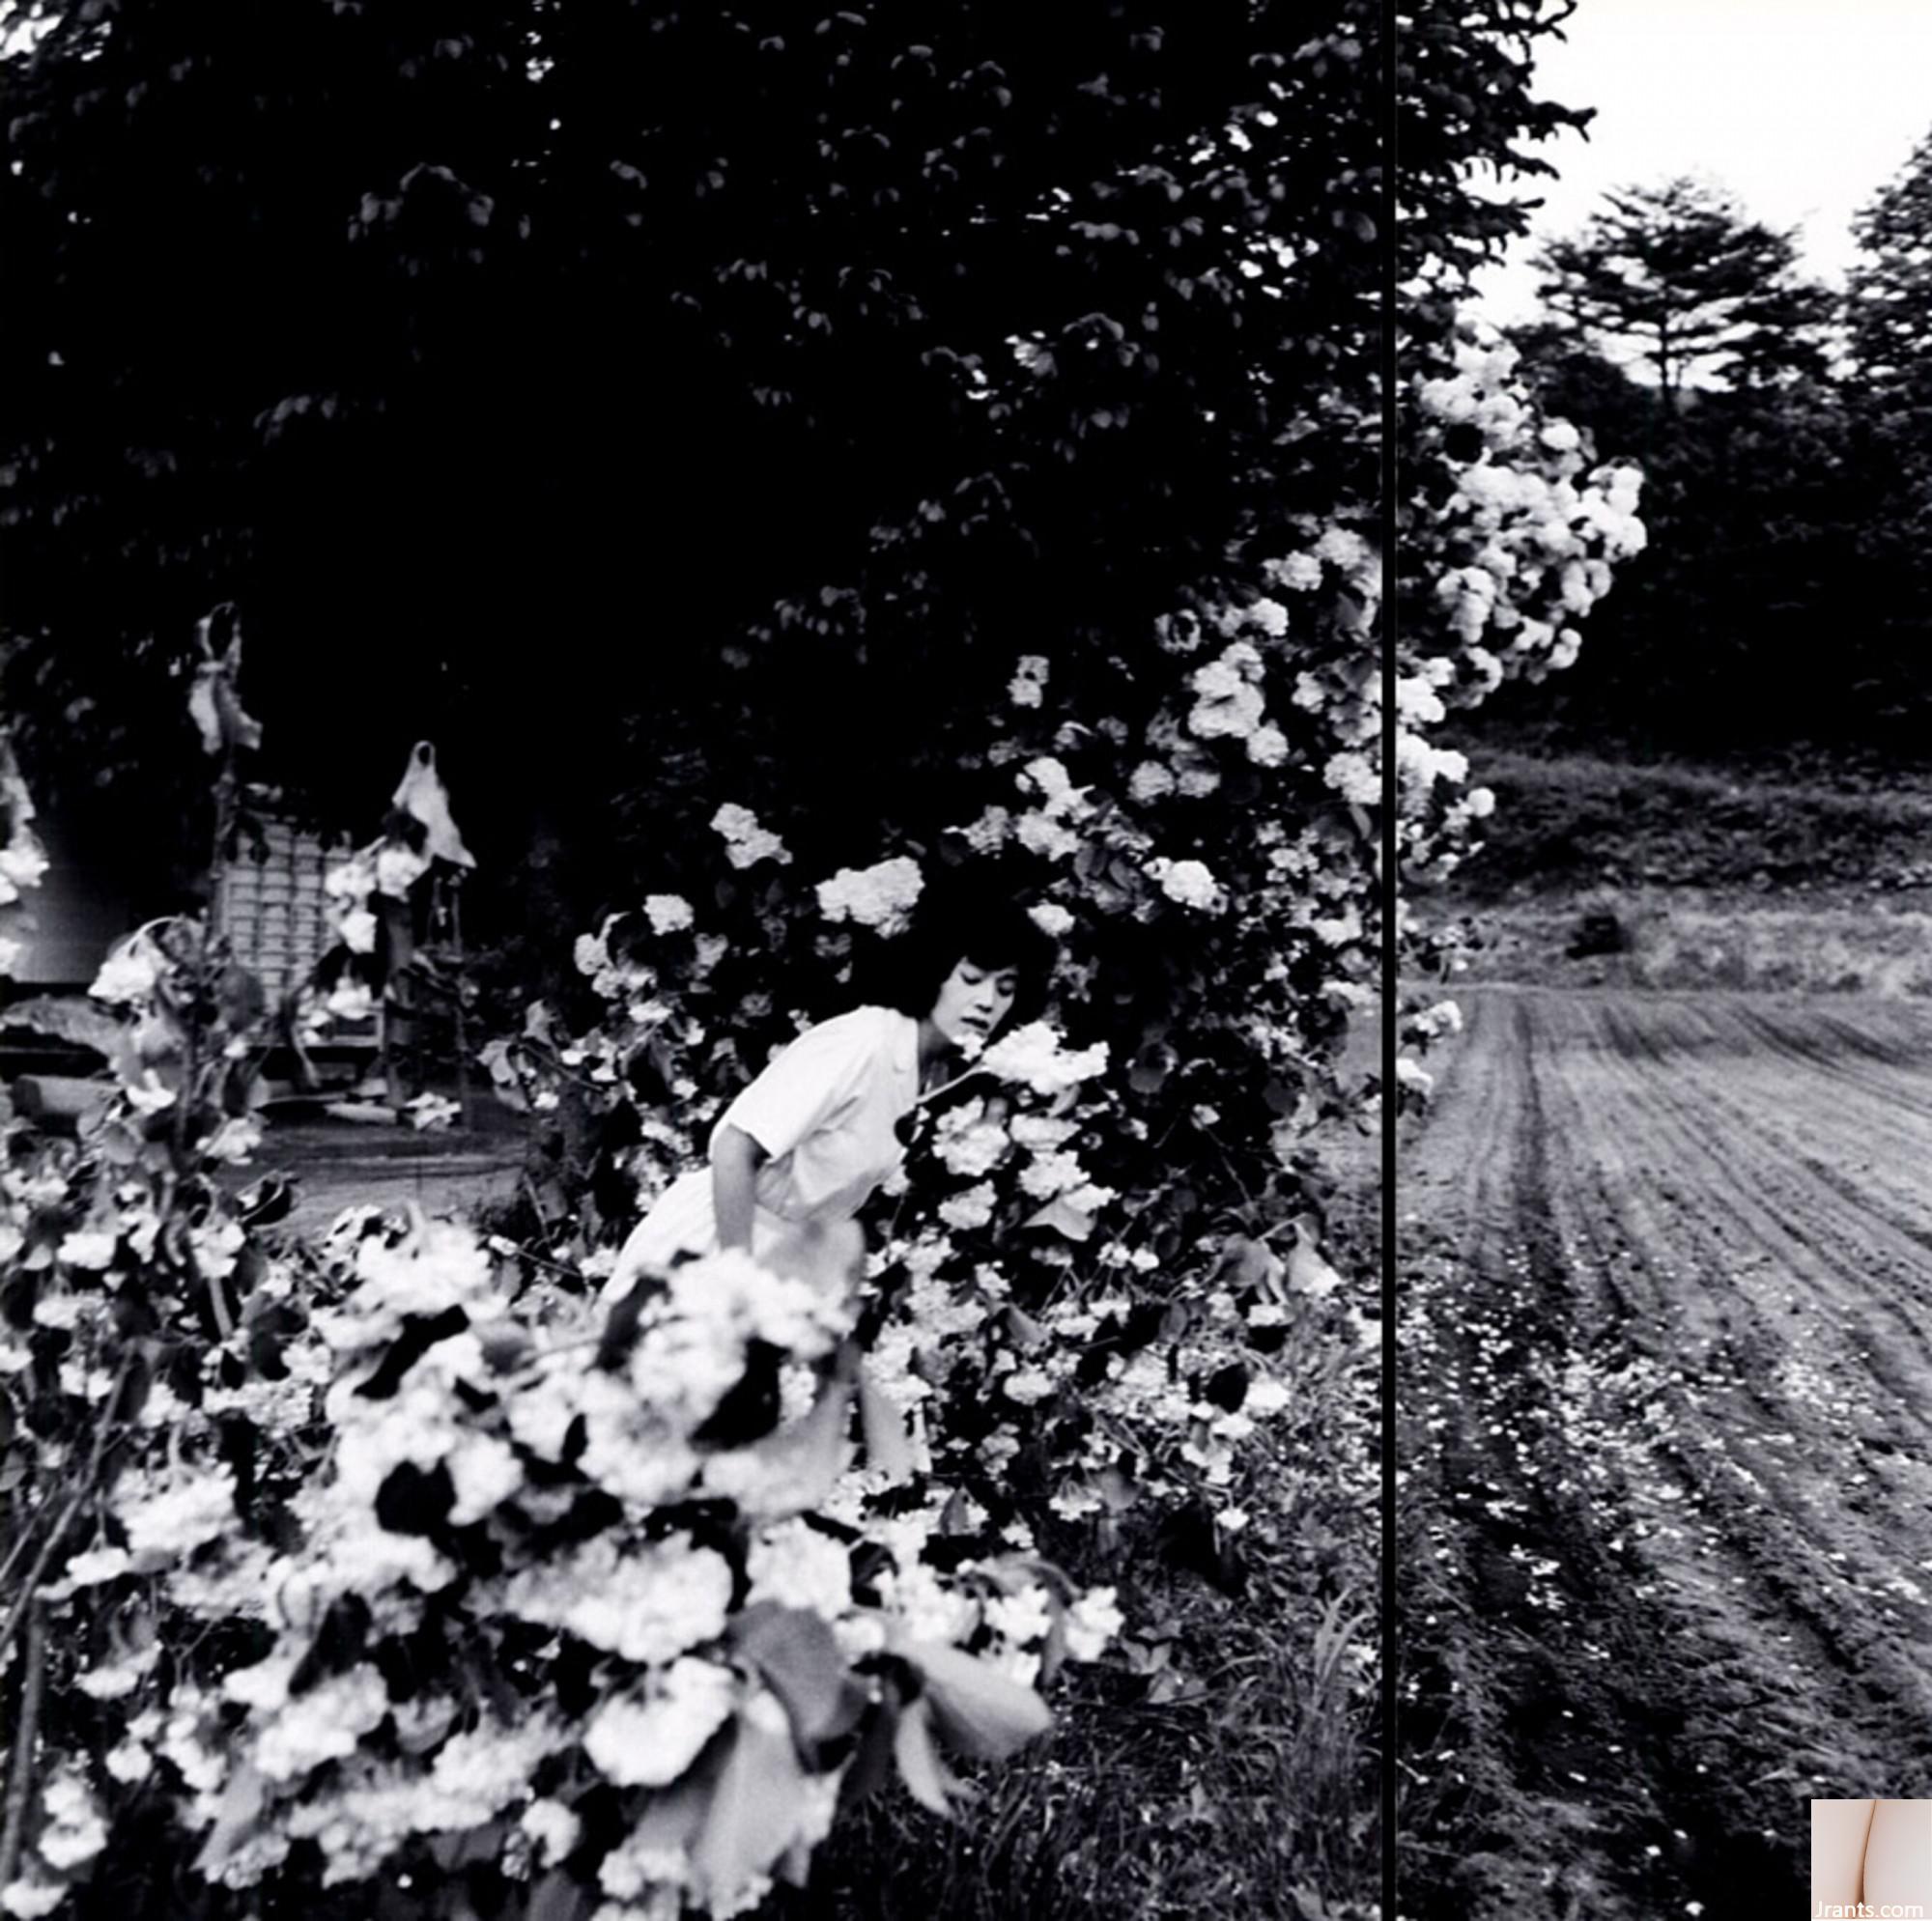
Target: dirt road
(1666, 1413)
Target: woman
(809, 1141)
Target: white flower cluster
(971, 1141)
(437, 1266)
(1432, 1022)
(1050, 827)
(1034, 1056)
(881, 897)
(502, 1424)
(130, 973)
(1189, 884)
(1029, 680)
(746, 842)
(170, 1513)
(22, 862)
(1229, 703)
(668, 913)
(1540, 534)
(612, 978)
(648, 1605)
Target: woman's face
(973, 1000)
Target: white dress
(826, 1112)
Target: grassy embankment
(1811, 875)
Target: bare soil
(1667, 1424)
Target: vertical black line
(1390, 1107)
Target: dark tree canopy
(1679, 274)
(1890, 328)
(1739, 624)
(1467, 113)
(1891, 306)
(1784, 594)
(561, 381)
(639, 400)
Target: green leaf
(919, 1766)
(674, 1819)
(760, 1803)
(473, 1843)
(242, 1799)
(1061, 1214)
(975, 1708)
(812, 1453)
(799, 1660)
(558, 1897)
(888, 1447)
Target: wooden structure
(274, 908)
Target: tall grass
(1250, 1793)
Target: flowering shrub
(22, 861)
(384, 1555)
(359, 1558)
(1081, 1295)
(587, 1600)
(143, 1389)
(1514, 540)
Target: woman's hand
(735, 1160)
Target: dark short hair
(951, 924)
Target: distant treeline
(1787, 590)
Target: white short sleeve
(822, 1072)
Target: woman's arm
(1838, 1850)
(735, 1160)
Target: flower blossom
(1034, 1054)
(1354, 777)
(1091, 1623)
(966, 1142)
(648, 1741)
(127, 977)
(166, 1519)
(1050, 781)
(74, 1831)
(90, 1249)
(1297, 571)
(648, 1605)
(746, 842)
(668, 913)
(1029, 680)
(1228, 704)
(880, 897)
(1188, 883)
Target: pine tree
(1889, 316)
(1678, 274)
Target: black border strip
(1390, 1107)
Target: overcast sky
(1802, 108)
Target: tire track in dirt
(1666, 1416)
